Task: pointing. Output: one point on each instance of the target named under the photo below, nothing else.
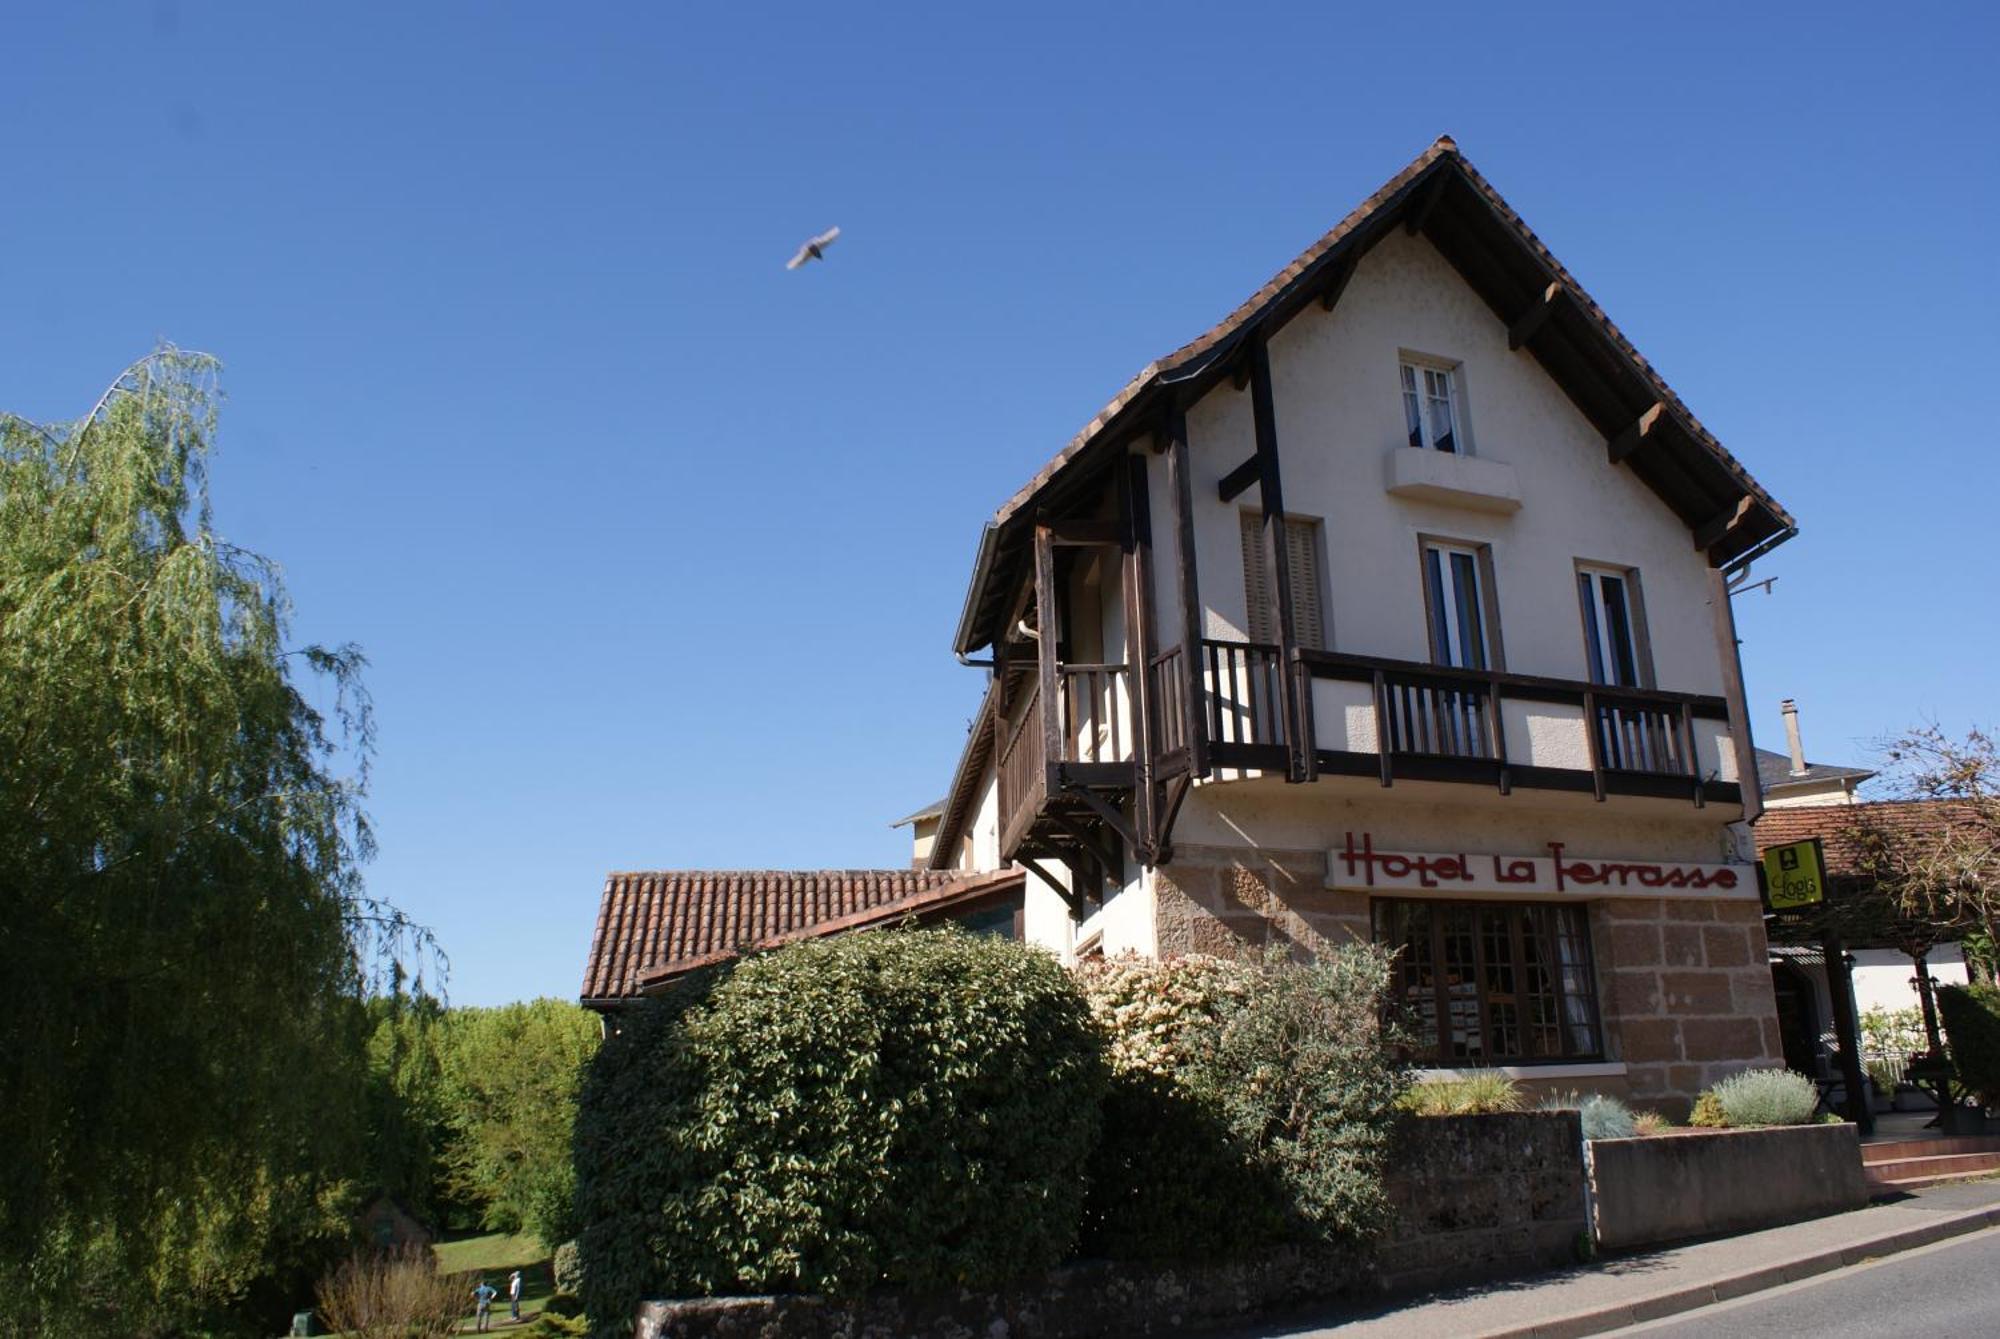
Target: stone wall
(1233, 901)
(1648, 1191)
(1474, 1197)
(1685, 987)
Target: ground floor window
(1493, 983)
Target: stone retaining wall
(1474, 1197)
(1670, 1187)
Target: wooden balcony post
(1278, 554)
(1195, 698)
(1139, 648)
(1049, 630)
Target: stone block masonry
(1683, 985)
(1685, 993)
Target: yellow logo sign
(1794, 876)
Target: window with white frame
(1260, 593)
(1432, 408)
(1610, 625)
(1456, 593)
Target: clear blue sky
(657, 549)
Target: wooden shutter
(1260, 597)
(1302, 552)
(1259, 600)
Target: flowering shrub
(1759, 1097)
(1160, 1016)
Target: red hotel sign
(1360, 865)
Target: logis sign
(1359, 864)
(1795, 874)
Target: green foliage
(1708, 1113)
(186, 930)
(1304, 1074)
(1758, 1097)
(1884, 1073)
(1604, 1116)
(910, 1107)
(509, 1089)
(1646, 1124)
(1889, 1032)
(407, 1109)
(567, 1268)
(1970, 1016)
(566, 1304)
(1473, 1095)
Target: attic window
(1431, 410)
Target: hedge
(1971, 1019)
(912, 1107)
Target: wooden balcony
(1059, 771)
(1401, 720)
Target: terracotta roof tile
(663, 922)
(1836, 825)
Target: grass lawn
(496, 1255)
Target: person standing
(514, 1295)
(482, 1305)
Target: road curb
(1673, 1301)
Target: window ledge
(1452, 480)
(1608, 1070)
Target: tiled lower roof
(657, 924)
(1838, 825)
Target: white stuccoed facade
(1677, 976)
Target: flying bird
(814, 249)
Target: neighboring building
(923, 826)
(654, 928)
(1789, 781)
(1394, 607)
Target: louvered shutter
(1260, 598)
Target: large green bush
(909, 1107)
(1248, 1103)
(1971, 1019)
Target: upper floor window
(1432, 409)
(1457, 595)
(1612, 638)
(1260, 594)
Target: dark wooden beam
(1265, 422)
(1336, 283)
(1181, 486)
(1069, 898)
(1724, 622)
(1140, 647)
(1177, 790)
(1421, 205)
(1111, 817)
(1637, 433)
(1532, 320)
(1711, 532)
(1239, 369)
(1086, 843)
(1084, 532)
(1233, 483)
(1049, 623)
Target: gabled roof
(654, 926)
(1775, 769)
(1441, 195)
(934, 809)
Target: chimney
(1791, 714)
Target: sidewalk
(1628, 1289)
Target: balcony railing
(1404, 720)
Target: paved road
(1950, 1289)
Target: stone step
(1901, 1149)
(1943, 1165)
(1885, 1189)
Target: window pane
(1440, 606)
(1438, 388)
(1593, 636)
(1471, 625)
(1412, 411)
(1460, 972)
(1618, 628)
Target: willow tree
(184, 933)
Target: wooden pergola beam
(1237, 480)
(1636, 434)
(1531, 321)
